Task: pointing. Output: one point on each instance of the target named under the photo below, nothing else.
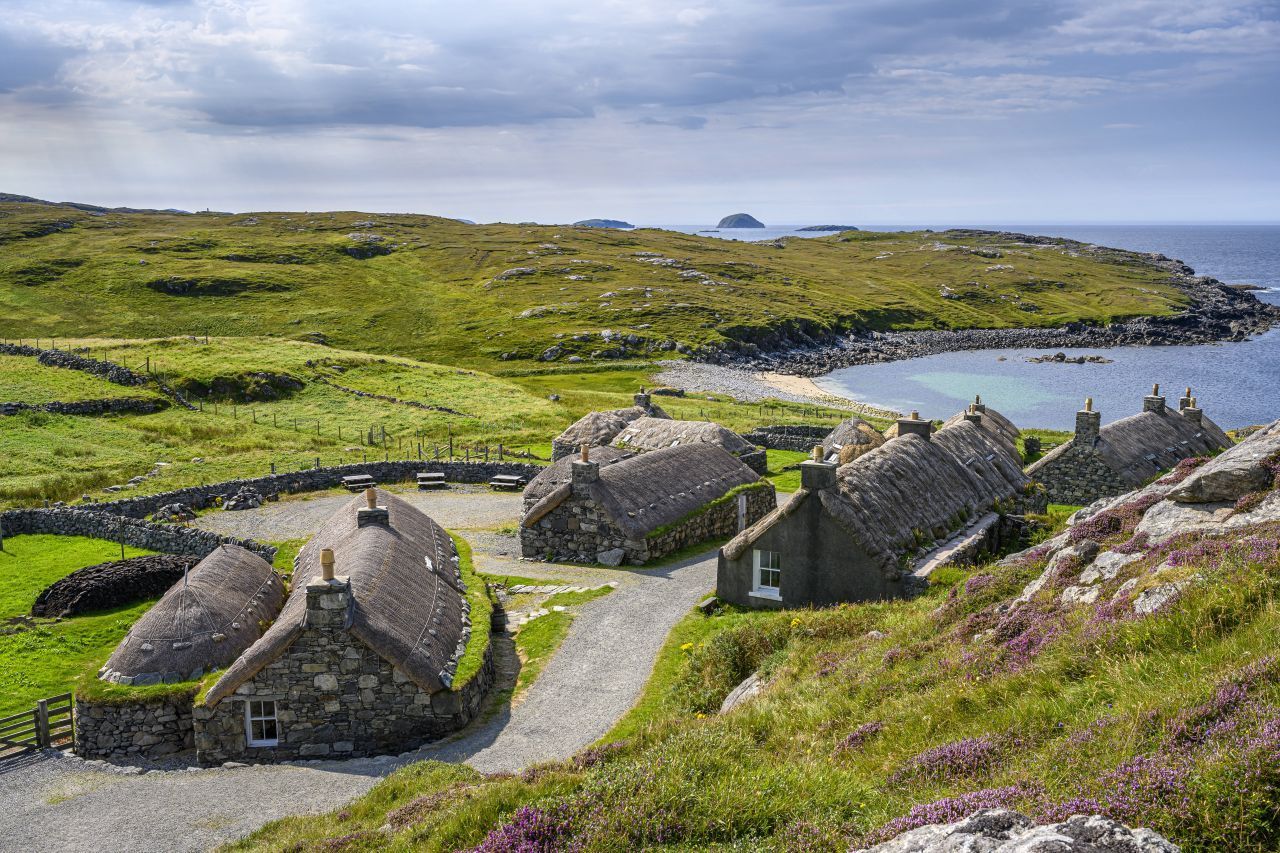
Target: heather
(883, 717)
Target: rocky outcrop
(740, 220)
(1249, 467)
(603, 223)
(1003, 831)
(829, 228)
(112, 584)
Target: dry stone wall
(135, 406)
(116, 732)
(109, 371)
(1076, 476)
(798, 437)
(166, 538)
(718, 522)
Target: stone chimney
(1185, 400)
(1088, 424)
(974, 415)
(328, 596)
(584, 472)
(1153, 402)
(643, 400)
(816, 473)
(978, 406)
(915, 425)
(1191, 411)
(372, 514)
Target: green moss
(93, 689)
(481, 611)
(731, 495)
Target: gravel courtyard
(58, 803)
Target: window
(768, 574)
(260, 723)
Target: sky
(657, 112)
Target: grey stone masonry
(150, 729)
(166, 538)
(722, 521)
(798, 437)
(334, 696)
(137, 406)
(1078, 476)
(1088, 425)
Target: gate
(49, 723)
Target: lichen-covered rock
(1003, 831)
(246, 498)
(1237, 472)
(174, 513)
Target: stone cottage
(363, 656)
(647, 434)
(850, 439)
(1104, 461)
(599, 428)
(638, 508)
(202, 623)
(857, 532)
(560, 472)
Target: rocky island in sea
(740, 220)
(829, 228)
(603, 223)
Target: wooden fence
(49, 723)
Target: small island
(603, 223)
(740, 220)
(829, 228)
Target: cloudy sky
(870, 111)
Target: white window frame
(262, 717)
(760, 563)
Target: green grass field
(437, 292)
(44, 657)
(25, 380)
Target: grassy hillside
(443, 291)
(267, 400)
(884, 717)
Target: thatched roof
(853, 432)
(202, 623)
(993, 423)
(646, 491)
(646, 434)
(560, 472)
(907, 491)
(1141, 446)
(409, 605)
(598, 428)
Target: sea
(1237, 384)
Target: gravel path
(55, 802)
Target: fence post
(42, 724)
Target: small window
(260, 723)
(768, 574)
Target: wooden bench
(358, 482)
(508, 481)
(431, 480)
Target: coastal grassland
(25, 380)
(446, 292)
(266, 401)
(44, 657)
(881, 717)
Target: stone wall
(336, 698)
(136, 406)
(581, 530)
(718, 522)
(166, 538)
(151, 729)
(1076, 475)
(310, 480)
(756, 460)
(798, 437)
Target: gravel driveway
(56, 802)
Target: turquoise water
(1237, 384)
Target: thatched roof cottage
(202, 623)
(560, 472)
(1106, 461)
(638, 508)
(647, 434)
(855, 532)
(850, 439)
(598, 428)
(362, 658)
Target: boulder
(612, 557)
(1004, 831)
(1247, 467)
(246, 498)
(747, 690)
(174, 513)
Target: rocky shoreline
(1216, 312)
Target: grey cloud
(27, 59)
(682, 122)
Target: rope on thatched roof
(561, 471)
(409, 605)
(202, 622)
(996, 425)
(646, 434)
(853, 432)
(641, 493)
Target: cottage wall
(336, 698)
(798, 437)
(719, 522)
(578, 529)
(1077, 475)
(121, 731)
(821, 565)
